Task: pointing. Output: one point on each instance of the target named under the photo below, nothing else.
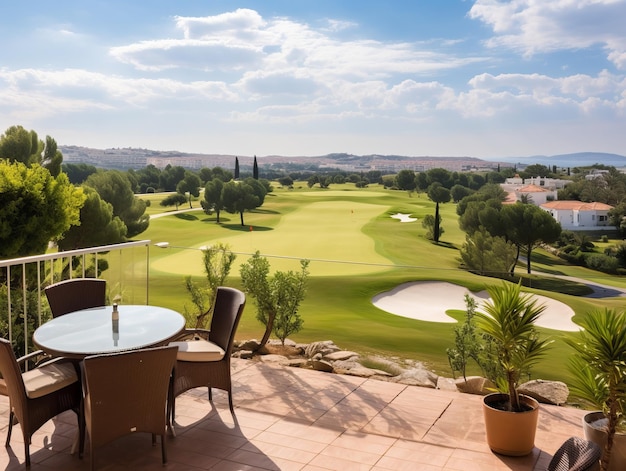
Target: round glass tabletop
(92, 331)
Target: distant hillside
(125, 158)
(579, 159)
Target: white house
(536, 194)
(574, 215)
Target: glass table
(92, 331)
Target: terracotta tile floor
(293, 419)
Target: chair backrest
(576, 454)
(229, 304)
(127, 392)
(75, 294)
(12, 376)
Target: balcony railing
(124, 266)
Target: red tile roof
(576, 206)
(532, 189)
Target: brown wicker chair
(125, 393)
(576, 454)
(204, 359)
(38, 395)
(75, 294)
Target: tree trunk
(241, 217)
(515, 261)
(528, 252)
(217, 214)
(268, 330)
(436, 228)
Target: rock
(325, 347)
(244, 354)
(446, 384)
(340, 355)
(250, 345)
(364, 372)
(475, 385)
(288, 343)
(547, 392)
(321, 365)
(354, 368)
(417, 377)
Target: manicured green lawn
(357, 251)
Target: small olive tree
(217, 260)
(277, 297)
(467, 342)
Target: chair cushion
(49, 378)
(198, 350)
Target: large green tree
(97, 225)
(212, 201)
(170, 176)
(35, 208)
(173, 199)
(529, 226)
(405, 180)
(238, 197)
(19, 145)
(189, 186)
(114, 187)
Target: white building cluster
(541, 191)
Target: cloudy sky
(483, 78)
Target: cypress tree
(255, 170)
(236, 168)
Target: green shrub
(601, 262)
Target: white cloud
(532, 26)
(243, 40)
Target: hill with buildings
(136, 158)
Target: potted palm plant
(508, 321)
(599, 370)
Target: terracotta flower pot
(510, 433)
(593, 426)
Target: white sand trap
(403, 217)
(429, 301)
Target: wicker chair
(204, 358)
(38, 395)
(576, 454)
(125, 393)
(75, 294)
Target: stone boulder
(321, 365)
(324, 347)
(340, 355)
(475, 385)
(354, 368)
(252, 345)
(417, 376)
(547, 392)
(446, 384)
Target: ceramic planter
(510, 433)
(593, 426)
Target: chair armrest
(30, 356)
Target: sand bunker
(403, 217)
(429, 301)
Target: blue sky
(483, 78)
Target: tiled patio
(295, 419)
